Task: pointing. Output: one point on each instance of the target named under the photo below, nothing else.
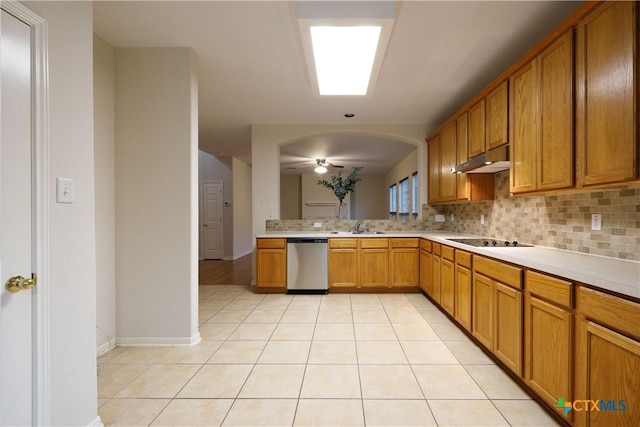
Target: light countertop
(611, 274)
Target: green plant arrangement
(341, 186)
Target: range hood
(492, 161)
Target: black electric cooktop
(491, 243)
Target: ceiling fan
(323, 165)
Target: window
(414, 193)
(393, 199)
(404, 196)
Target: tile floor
(332, 360)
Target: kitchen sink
(360, 232)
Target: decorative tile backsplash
(561, 221)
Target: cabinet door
(462, 155)
(447, 285)
(435, 277)
(555, 142)
(524, 129)
(497, 118)
(507, 344)
(425, 272)
(606, 114)
(271, 268)
(476, 129)
(343, 270)
(447, 161)
(433, 153)
(405, 267)
(548, 339)
(607, 370)
(462, 301)
(482, 302)
(374, 267)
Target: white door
(212, 219)
(16, 379)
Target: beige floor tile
(415, 332)
(250, 294)
(106, 357)
(495, 383)
(468, 353)
(403, 304)
(238, 352)
(148, 355)
(253, 331)
(194, 412)
(114, 378)
(293, 331)
(375, 331)
(329, 412)
(214, 304)
(380, 352)
(264, 316)
(273, 381)
(199, 353)
(229, 316)
(397, 413)
(335, 316)
(466, 413)
(238, 304)
(216, 381)
(524, 413)
(204, 315)
(447, 382)
(335, 302)
(333, 332)
(428, 353)
(273, 305)
(366, 304)
(448, 332)
(389, 382)
(285, 352)
(217, 331)
(434, 316)
(405, 316)
(370, 316)
(333, 352)
(331, 381)
(306, 302)
(421, 302)
(102, 402)
(299, 316)
(261, 412)
(131, 412)
(159, 381)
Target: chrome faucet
(356, 228)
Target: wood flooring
(223, 272)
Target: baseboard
(242, 254)
(96, 423)
(105, 348)
(158, 341)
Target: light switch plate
(482, 219)
(439, 218)
(64, 190)
(596, 222)
(317, 224)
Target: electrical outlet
(482, 219)
(596, 222)
(440, 218)
(317, 224)
(453, 218)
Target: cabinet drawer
(343, 243)
(447, 252)
(499, 271)
(555, 290)
(374, 242)
(271, 243)
(425, 245)
(463, 258)
(436, 249)
(404, 242)
(608, 310)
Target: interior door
(16, 325)
(212, 219)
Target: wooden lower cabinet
(271, 264)
(425, 267)
(607, 359)
(462, 289)
(435, 272)
(447, 279)
(404, 262)
(482, 324)
(343, 263)
(358, 263)
(373, 267)
(507, 341)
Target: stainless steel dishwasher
(307, 265)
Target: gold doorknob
(19, 283)
(204, 225)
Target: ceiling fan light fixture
(320, 169)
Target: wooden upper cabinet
(462, 155)
(476, 135)
(497, 107)
(524, 129)
(433, 154)
(555, 154)
(607, 81)
(447, 161)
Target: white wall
(104, 160)
(313, 193)
(156, 196)
(72, 241)
(290, 193)
(211, 168)
(242, 237)
(369, 202)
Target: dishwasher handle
(306, 240)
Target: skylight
(344, 57)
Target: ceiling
(252, 68)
